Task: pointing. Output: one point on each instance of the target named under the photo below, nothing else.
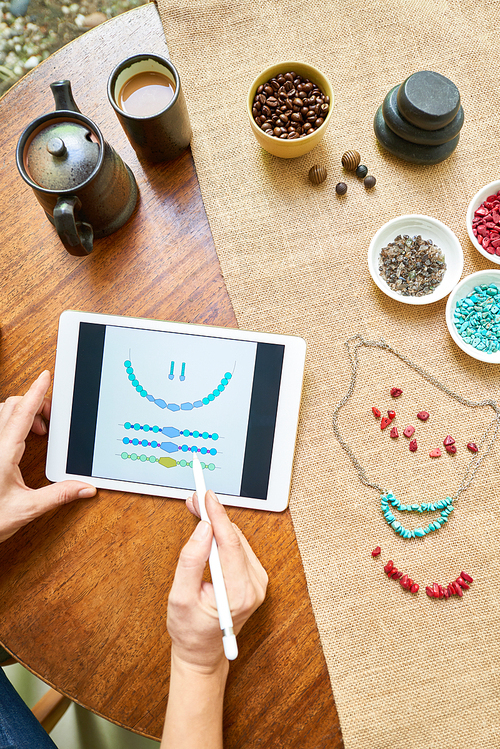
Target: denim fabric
(19, 729)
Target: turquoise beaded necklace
(388, 502)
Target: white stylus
(225, 618)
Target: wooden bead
(351, 160)
(317, 174)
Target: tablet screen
(143, 400)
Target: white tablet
(133, 398)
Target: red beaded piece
(385, 422)
(422, 415)
(413, 446)
(394, 433)
(396, 392)
(448, 441)
(376, 551)
(472, 447)
(409, 431)
(376, 412)
(391, 414)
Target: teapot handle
(76, 236)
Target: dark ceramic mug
(161, 136)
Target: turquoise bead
(419, 532)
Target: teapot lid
(63, 155)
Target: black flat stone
(412, 152)
(428, 100)
(407, 131)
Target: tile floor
(78, 728)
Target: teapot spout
(63, 96)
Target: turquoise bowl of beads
(473, 315)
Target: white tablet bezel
(286, 419)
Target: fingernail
(44, 427)
(88, 491)
(201, 531)
(213, 496)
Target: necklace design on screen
(187, 406)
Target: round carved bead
(341, 188)
(317, 174)
(351, 160)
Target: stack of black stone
(420, 120)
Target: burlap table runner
(406, 671)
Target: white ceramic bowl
(463, 289)
(428, 228)
(476, 201)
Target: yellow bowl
(290, 149)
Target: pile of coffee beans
(289, 106)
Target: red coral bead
(472, 447)
(376, 551)
(394, 433)
(409, 431)
(413, 446)
(462, 583)
(447, 593)
(422, 415)
(448, 440)
(429, 592)
(385, 422)
(376, 412)
(415, 588)
(466, 577)
(389, 565)
(451, 449)
(404, 581)
(396, 392)
(391, 414)
(435, 590)
(436, 453)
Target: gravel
(31, 30)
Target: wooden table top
(83, 591)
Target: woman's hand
(192, 620)
(18, 503)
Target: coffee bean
(289, 106)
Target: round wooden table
(83, 590)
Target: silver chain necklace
(388, 500)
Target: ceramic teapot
(84, 187)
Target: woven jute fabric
(406, 671)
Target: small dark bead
(369, 181)
(361, 171)
(341, 188)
